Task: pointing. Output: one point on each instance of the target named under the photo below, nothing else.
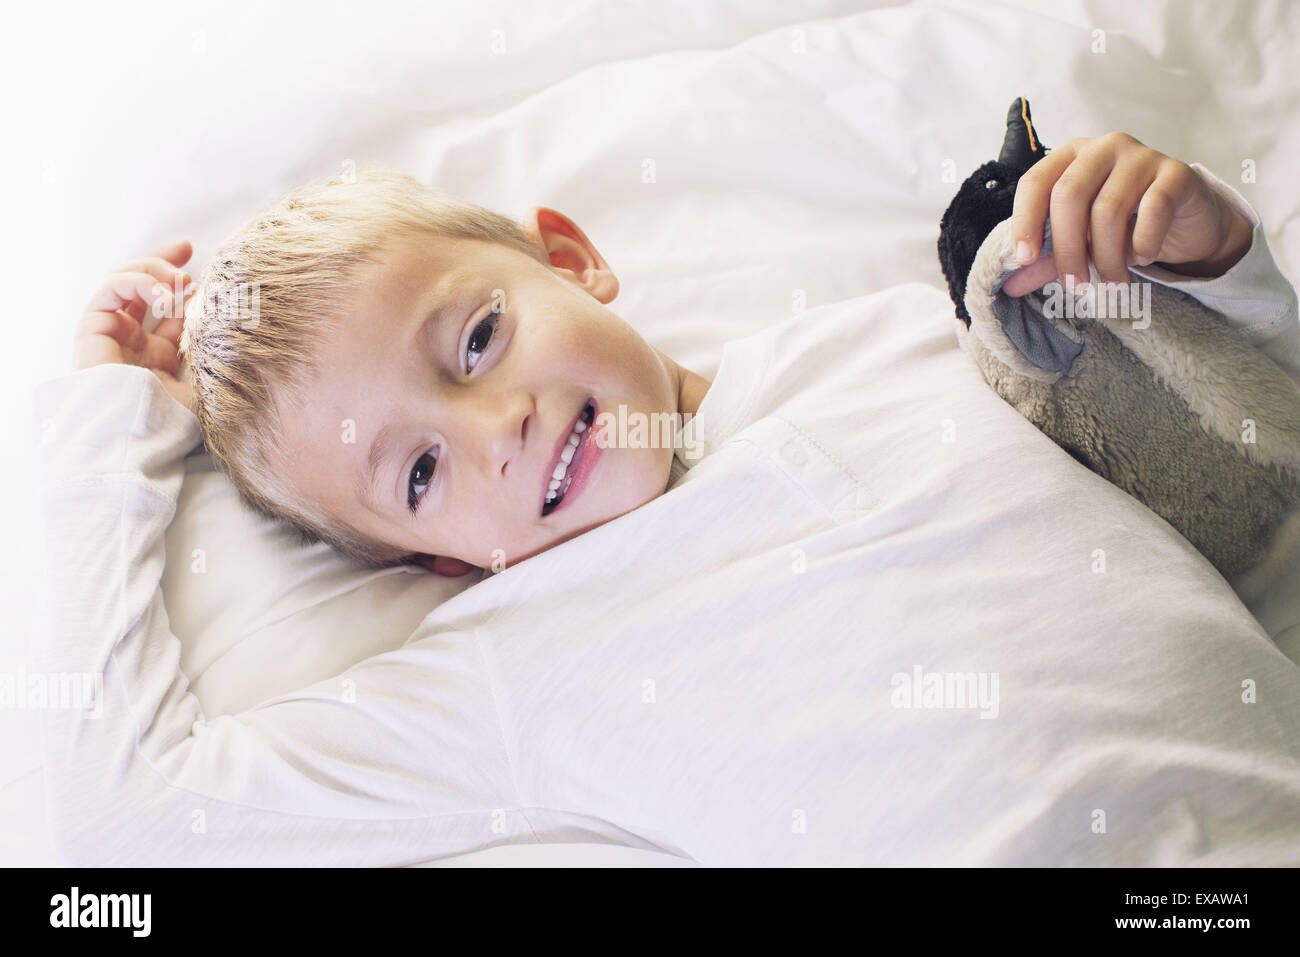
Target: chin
(634, 491)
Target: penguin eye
(991, 184)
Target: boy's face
(475, 405)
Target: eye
(490, 323)
(991, 184)
(413, 499)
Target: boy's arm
(399, 760)
(1253, 294)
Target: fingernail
(1023, 252)
(1144, 260)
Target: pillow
(258, 614)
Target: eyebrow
(378, 451)
(380, 447)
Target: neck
(690, 387)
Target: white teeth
(566, 458)
(566, 455)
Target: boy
(716, 692)
(489, 435)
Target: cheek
(616, 353)
(578, 349)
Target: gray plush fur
(1160, 412)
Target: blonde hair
(295, 263)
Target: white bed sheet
(800, 154)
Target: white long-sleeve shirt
(720, 673)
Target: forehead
(400, 285)
(360, 352)
(415, 264)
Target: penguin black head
(985, 199)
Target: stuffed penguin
(1147, 387)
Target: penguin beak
(1021, 147)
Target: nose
(490, 428)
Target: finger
(158, 266)
(1071, 206)
(159, 353)
(177, 253)
(108, 336)
(170, 330)
(1155, 214)
(95, 350)
(112, 323)
(137, 346)
(1110, 217)
(1029, 278)
(1130, 258)
(121, 289)
(165, 309)
(1029, 208)
(137, 309)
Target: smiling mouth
(574, 445)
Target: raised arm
(398, 760)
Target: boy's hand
(1117, 202)
(111, 329)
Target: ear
(442, 565)
(569, 250)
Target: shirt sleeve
(1253, 295)
(399, 760)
